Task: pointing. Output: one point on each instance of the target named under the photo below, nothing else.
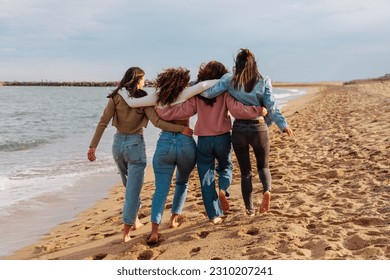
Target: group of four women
(245, 94)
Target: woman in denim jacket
(129, 146)
(247, 85)
(173, 151)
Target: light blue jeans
(211, 148)
(173, 150)
(129, 154)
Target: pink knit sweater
(212, 120)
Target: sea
(45, 176)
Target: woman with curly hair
(129, 146)
(173, 151)
(247, 85)
(214, 141)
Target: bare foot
(173, 223)
(153, 237)
(265, 204)
(250, 212)
(224, 203)
(216, 221)
(126, 233)
(137, 224)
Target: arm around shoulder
(160, 123)
(180, 111)
(240, 111)
(191, 91)
(148, 100)
(219, 88)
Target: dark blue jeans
(244, 135)
(210, 149)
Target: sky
(98, 40)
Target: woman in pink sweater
(214, 140)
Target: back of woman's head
(210, 71)
(170, 83)
(130, 82)
(246, 73)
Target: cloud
(155, 34)
(348, 13)
(54, 19)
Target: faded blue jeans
(129, 154)
(173, 151)
(211, 148)
(245, 134)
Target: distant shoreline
(148, 83)
(67, 84)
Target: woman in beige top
(129, 146)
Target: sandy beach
(330, 199)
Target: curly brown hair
(170, 83)
(210, 71)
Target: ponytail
(246, 74)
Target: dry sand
(330, 200)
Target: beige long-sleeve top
(129, 120)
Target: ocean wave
(29, 184)
(282, 96)
(293, 90)
(13, 146)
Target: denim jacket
(261, 95)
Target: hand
(264, 111)
(289, 132)
(91, 154)
(187, 131)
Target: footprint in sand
(99, 256)
(204, 234)
(109, 234)
(253, 231)
(356, 242)
(195, 250)
(146, 255)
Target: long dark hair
(170, 84)
(246, 73)
(210, 71)
(130, 81)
